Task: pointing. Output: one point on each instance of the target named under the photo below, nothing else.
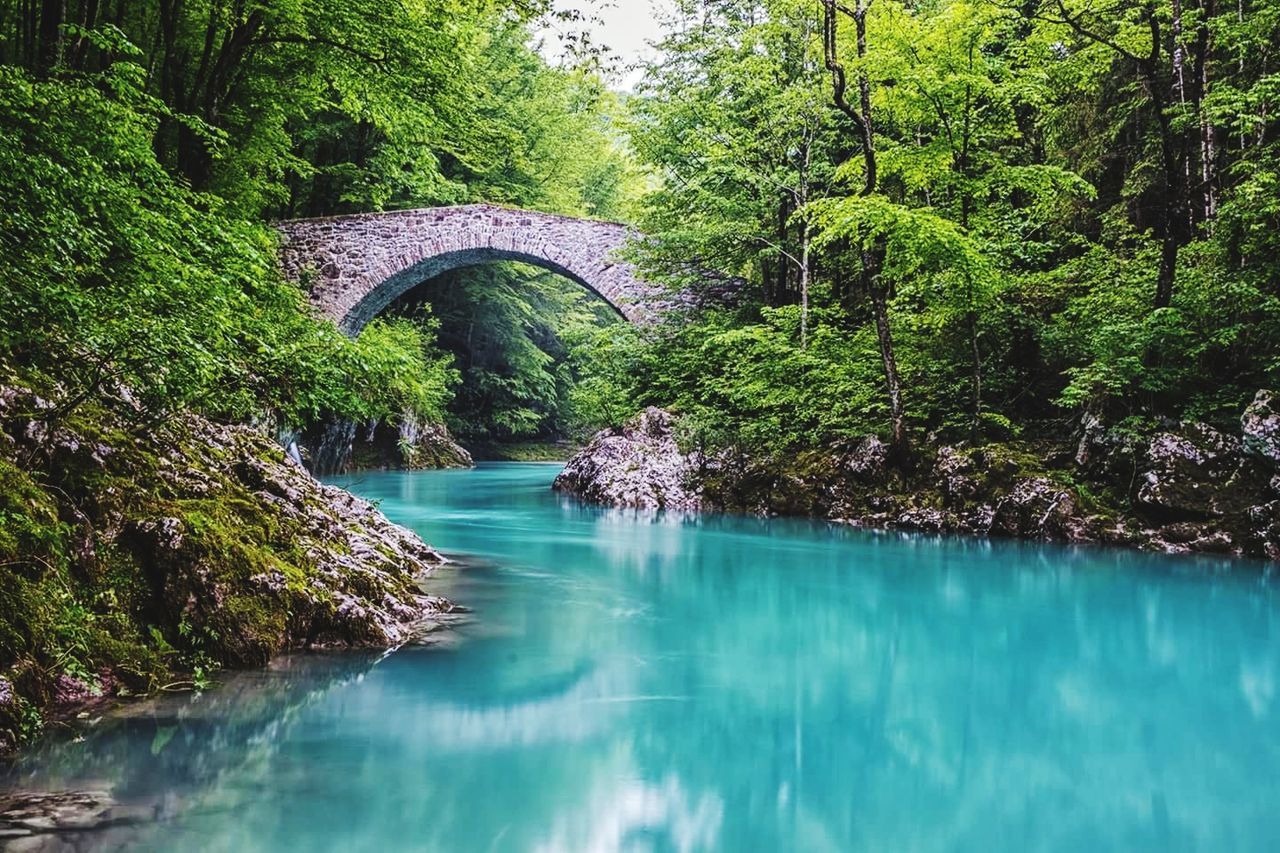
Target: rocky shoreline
(1188, 488)
(139, 555)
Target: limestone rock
(869, 459)
(1188, 473)
(226, 545)
(638, 465)
(954, 472)
(426, 445)
(1260, 426)
(1037, 508)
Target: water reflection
(654, 682)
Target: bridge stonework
(358, 265)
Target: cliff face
(137, 554)
(338, 446)
(1187, 489)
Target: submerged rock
(638, 465)
(39, 821)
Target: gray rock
(426, 445)
(925, 519)
(638, 465)
(354, 575)
(1260, 426)
(954, 471)
(1037, 508)
(1188, 472)
(1092, 431)
(869, 459)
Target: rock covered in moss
(295, 563)
(1186, 489)
(429, 446)
(1038, 508)
(409, 445)
(868, 460)
(139, 548)
(637, 465)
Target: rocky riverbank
(341, 446)
(139, 555)
(1187, 488)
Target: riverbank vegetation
(144, 148)
(146, 145)
(1005, 268)
(1039, 231)
(962, 220)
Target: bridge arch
(362, 263)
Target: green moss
(29, 525)
(97, 580)
(248, 629)
(238, 538)
(33, 547)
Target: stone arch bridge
(364, 262)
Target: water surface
(636, 681)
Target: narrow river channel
(632, 681)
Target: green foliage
(517, 337)
(122, 277)
(400, 370)
(1023, 205)
(732, 122)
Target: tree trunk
(1174, 209)
(804, 285)
(872, 263)
(971, 319)
(873, 251)
(51, 18)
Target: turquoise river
(633, 681)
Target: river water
(633, 681)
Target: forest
(977, 220)
(1008, 269)
(966, 219)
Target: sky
(625, 27)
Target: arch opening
(396, 286)
(521, 338)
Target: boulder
(1037, 508)
(954, 473)
(428, 445)
(638, 465)
(1260, 427)
(1187, 473)
(868, 460)
(220, 546)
